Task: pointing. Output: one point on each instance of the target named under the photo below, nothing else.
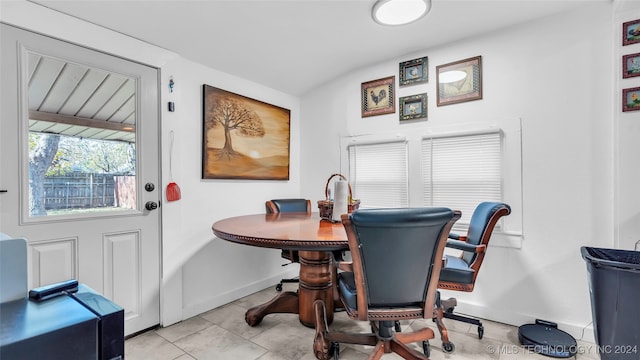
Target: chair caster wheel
(279, 287)
(448, 347)
(426, 348)
(335, 350)
(480, 332)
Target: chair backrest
(397, 255)
(483, 220)
(288, 205)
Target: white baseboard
(582, 332)
(235, 294)
(588, 334)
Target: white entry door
(79, 169)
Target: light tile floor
(223, 334)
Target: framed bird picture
(459, 81)
(631, 99)
(413, 107)
(414, 71)
(378, 97)
(630, 65)
(631, 32)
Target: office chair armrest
(458, 237)
(461, 245)
(345, 266)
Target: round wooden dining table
(315, 240)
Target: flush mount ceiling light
(399, 12)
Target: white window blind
(378, 174)
(461, 171)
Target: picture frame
(413, 107)
(631, 32)
(243, 138)
(631, 65)
(414, 71)
(378, 96)
(631, 99)
(459, 81)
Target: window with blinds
(378, 174)
(461, 171)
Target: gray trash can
(614, 284)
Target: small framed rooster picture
(378, 97)
(413, 107)
(414, 71)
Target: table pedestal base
(285, 302)
(316, 283)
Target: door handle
(151, 205)
(4, 191)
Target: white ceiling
(295, 45)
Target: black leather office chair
(288, 205)
(396, 260)
(460, 272)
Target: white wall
(555, 74)
(199, 272)
(212, 271)
(627, 134)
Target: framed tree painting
(243, 138)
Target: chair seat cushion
(456, 270)
(347, 288)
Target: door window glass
(82, 153)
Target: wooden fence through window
(85, 190)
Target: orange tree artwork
(244, 138)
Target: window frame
(491, 190)
(511, 233)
